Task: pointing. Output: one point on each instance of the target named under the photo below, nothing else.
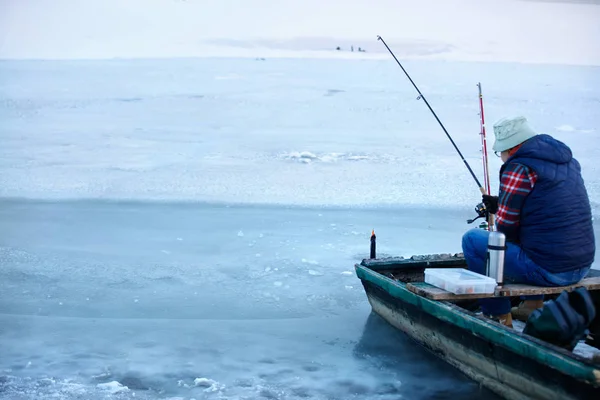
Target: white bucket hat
(511, 132)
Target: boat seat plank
(518, 289)
(435, 293)
(508, 290)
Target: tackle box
(459, 280)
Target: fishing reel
(481, 213)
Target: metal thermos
(495, 256)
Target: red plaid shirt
(516, 183)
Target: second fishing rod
(481, 188)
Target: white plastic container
(459, 280)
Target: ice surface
(168, 130)
(112, 387)
(209, 310)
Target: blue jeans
(518, 268)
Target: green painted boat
(512, 364)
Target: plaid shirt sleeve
(516, 183)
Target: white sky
(490, 30)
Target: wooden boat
(508, 362)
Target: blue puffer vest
(556, 229)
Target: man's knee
(475, 240)
(474, 244)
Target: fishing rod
(486, 172)
(481, 188)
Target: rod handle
(491, 221)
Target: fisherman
(543, 209)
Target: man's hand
(491, 203)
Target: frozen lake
(188, 228)
(275, 131)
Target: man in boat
(543, 209)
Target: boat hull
(509, 363)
